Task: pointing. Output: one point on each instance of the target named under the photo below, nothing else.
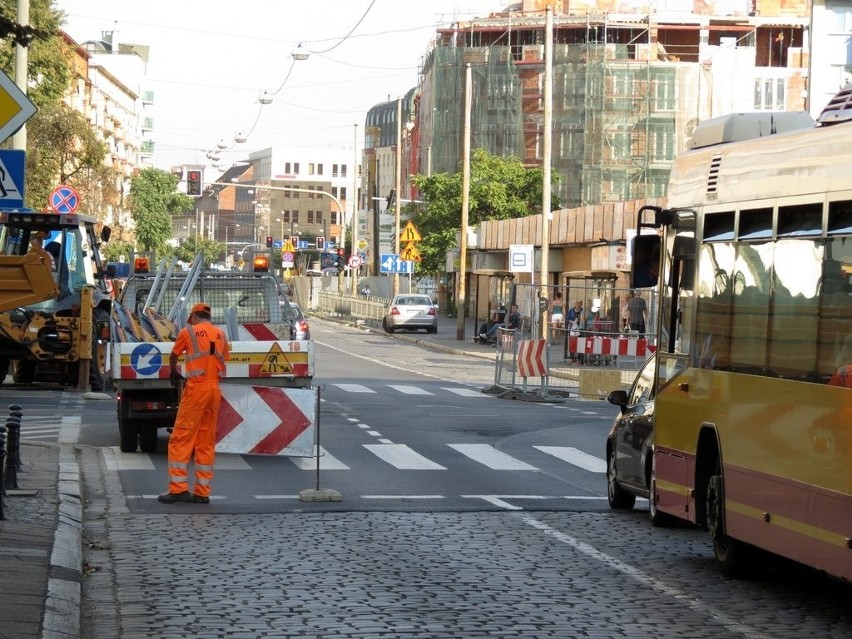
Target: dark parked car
(630, 446)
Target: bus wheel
(731, 555)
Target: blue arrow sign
(390, 263)
(146, 359)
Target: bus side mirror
(645, 267)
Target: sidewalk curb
(64, 588)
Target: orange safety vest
(203, 360)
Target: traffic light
(391, 198)
(193, 182)
(268, 241)
(341, 259)
(320, 243)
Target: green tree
(153, 201)
(64, 149)
(187, 250)
(116, 249)
(500, 189)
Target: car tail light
(394, 311)
(431, 311)
(303, 325)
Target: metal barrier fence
(366, 309)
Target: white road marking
(733, 625)
(575, 457)
(354, 388)
(410, 390)
(116, 460)
(402, 497)
(327, 462)
(402, 457)
(466, 392)
(487, 455)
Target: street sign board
(354, 261)
(15, 107)
(287, 260)
(64, 199)
(390, 263)
(12, 179)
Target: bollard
(16, 411)
(2, 468)
(13, 427)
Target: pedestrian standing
(637, 311)
(205, 350)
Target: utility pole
(398, 168)
(462, 280)
(545, 173)
(19, 139)
(355, 250)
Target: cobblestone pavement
(426, 575)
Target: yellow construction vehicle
(54, 300)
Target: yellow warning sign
(410, 253)
(409, 234)
(276, 361)
(288, 247)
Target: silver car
(411, 312)
(303, 329)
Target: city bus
(753, 391)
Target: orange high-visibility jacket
(206, 352)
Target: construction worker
(205, 351)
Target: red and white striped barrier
(599, 345)
(266, 420)
(531, 356)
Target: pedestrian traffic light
(193, 182)
(320, 243)
(268, 241)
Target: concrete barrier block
(598, 383)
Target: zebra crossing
(51, 428)
(407, 389)
(397, 456)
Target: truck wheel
(5, 363)
(148, 439)
(128, 431)
(24, 372)
(97, 367)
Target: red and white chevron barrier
(532, 354)
(598, 345)
(266, 420)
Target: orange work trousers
(194, 432)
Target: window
(343, 193)
(295, 217)
(769, 94)
(319, 169)
(286, 167)
(755, 224)
(663, 144)
(318, 217)
(342, 170)
(622, 139)
(285, 215)
(295, 167)
(333, 170)
(664, 89)
(311, 168)
(310, 217)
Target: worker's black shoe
(198, 499)
(173, 498)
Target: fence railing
(358, 307)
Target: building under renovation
(630, 81)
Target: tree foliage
(64, 149)
(187, 250)
(500, 189)
(153, 201)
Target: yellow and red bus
(753, 403)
